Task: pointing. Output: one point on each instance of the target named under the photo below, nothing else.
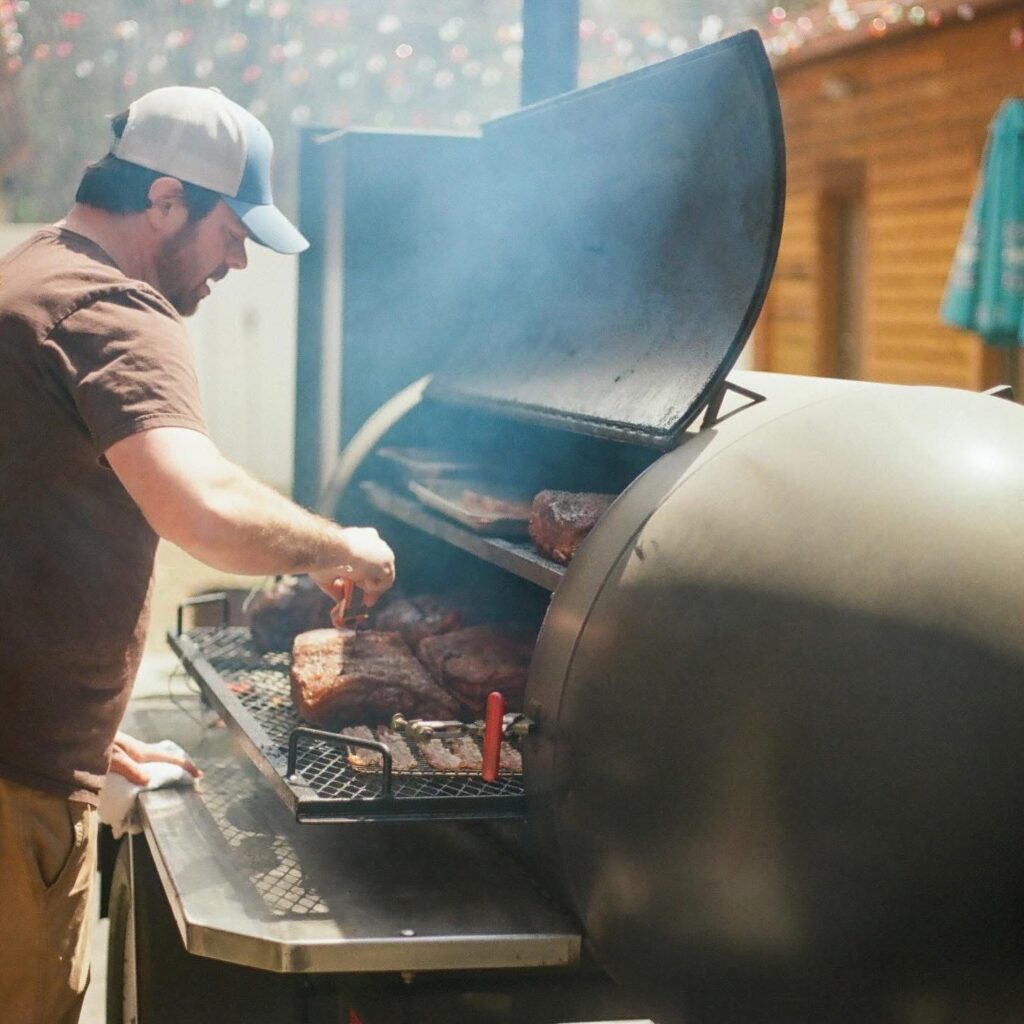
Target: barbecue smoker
(773, 766)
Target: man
(103, 449)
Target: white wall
(244, 336)
(244, 341)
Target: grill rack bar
(250, 692)
(334, 738)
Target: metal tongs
(496, 726)
(348, 613)
(422, 729)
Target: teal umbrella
(985, 291)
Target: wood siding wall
(910, 116)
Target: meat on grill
(472, 662)
(439, 756)
(468, 752)
(416, 617)
(291, 606)
(363, 759)
(462, 754)
(491, 506)
(559, 520)
(510, 761)
(341, 676)
(402, 759)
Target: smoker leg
(494, 997)
(151, 979)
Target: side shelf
(516, 557)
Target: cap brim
(269, 226)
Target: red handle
(492, 735)
(339, 613)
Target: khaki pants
(47, 864)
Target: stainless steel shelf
(249, 885)
(516, 557)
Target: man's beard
(177, 271)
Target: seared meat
(416, 617)
(465, 748)
(559, 520)
(472, 662)
(439, 756)
(461, 754)
(293, 605)
(510, 761)
(402, 759)
(362, 759)
(340, 676)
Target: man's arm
(196, 498)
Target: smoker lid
(627, 235)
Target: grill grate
(240, 678)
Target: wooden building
(885, 128)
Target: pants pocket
(58, 834)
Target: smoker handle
(339, 740)
(193, 602)
(493, 722)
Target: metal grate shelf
(517, 557)
(251, 691)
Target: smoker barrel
(777, 690)
(781, 711)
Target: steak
(472, 662)
(293, 605)
(362, 759)
(402, 759)
(341, 676)
(440, 756)
(559, 520)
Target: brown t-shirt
(88, 356)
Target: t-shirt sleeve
(127, 366)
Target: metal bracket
(418, 729)
(714, 406)
(201, 599)
(338, 739)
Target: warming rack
(251, 692)
(516, 557)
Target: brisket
(291, 606)
(341, 676)
(416, 617)
(559, 520)
(472, 662)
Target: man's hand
(129, 754)
(369, 564)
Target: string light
(633, 44)
(413, 59)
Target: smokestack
(550, 48)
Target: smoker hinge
(714, 406)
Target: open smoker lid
(627, 236)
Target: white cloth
(118, 802)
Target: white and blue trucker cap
(200, 136)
